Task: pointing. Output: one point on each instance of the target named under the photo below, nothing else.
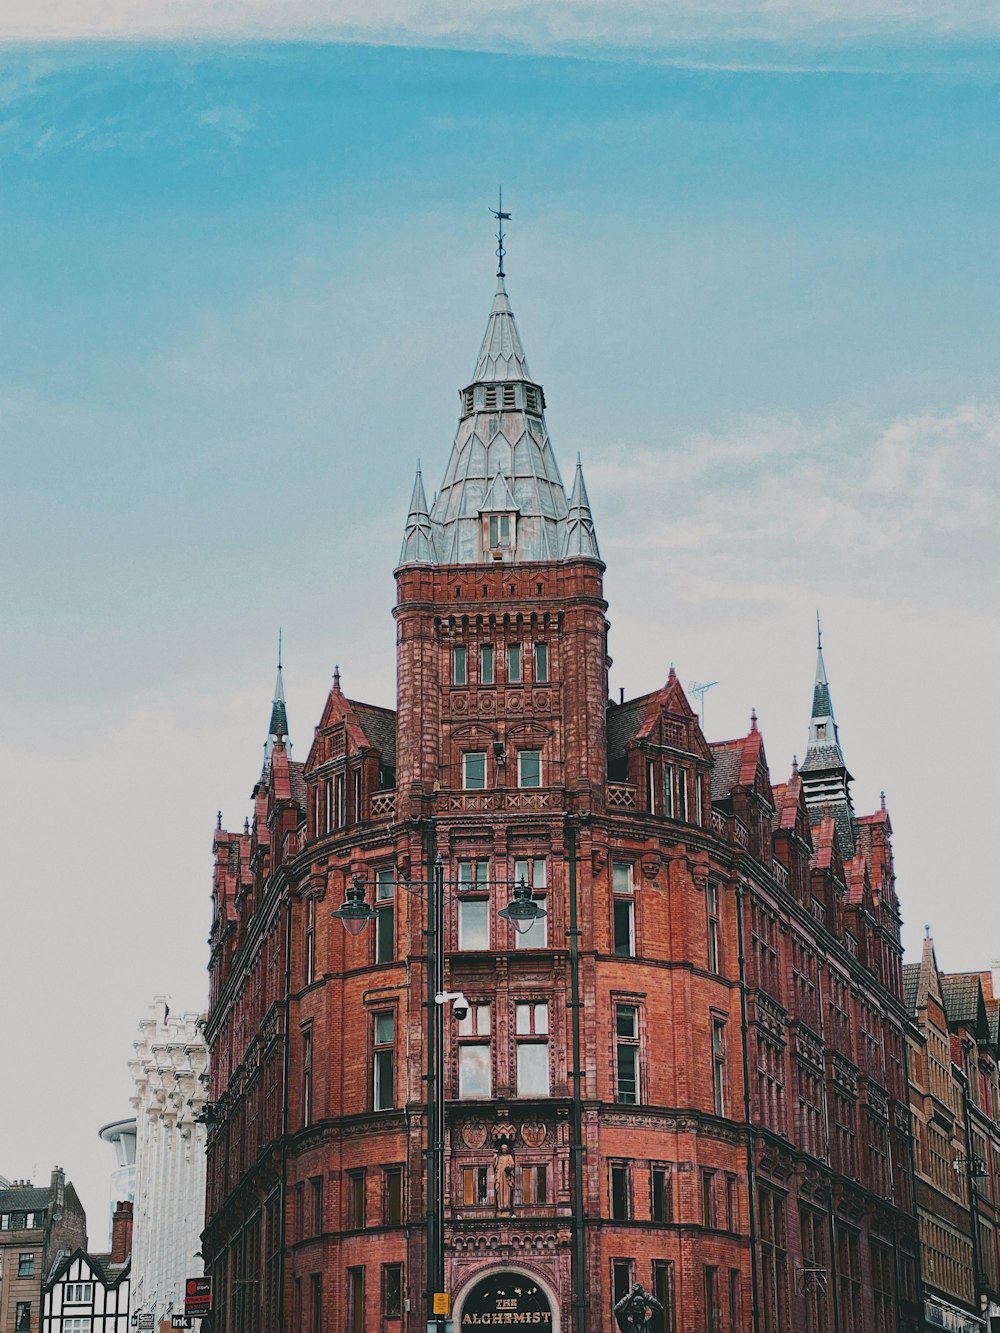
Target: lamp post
(355, 913)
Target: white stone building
(170, 1073)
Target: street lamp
(354, 913)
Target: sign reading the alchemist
(506, 1300)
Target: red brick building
(689, 1074)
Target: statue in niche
(503, 1178)
(634, 1312)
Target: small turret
(278, 727)
(825, 779)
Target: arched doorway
(507, 1297)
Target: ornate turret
(502, 498)
(278, 728)
(825, 779)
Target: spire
(278, 728)
(502, 498)
(501, 356)
(580, 538)
(825, 778)
(418, 535)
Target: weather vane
(501, 218)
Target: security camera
(459, 1004)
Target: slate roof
(843, 818)
(963, 1000)
(297, 782)
(24, 1198)
(911, 986)
(728, 757)
(379, 725)
(624, 721)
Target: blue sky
(240, 284)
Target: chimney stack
(57, 1186)
(121, 1232)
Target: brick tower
(613, 1078)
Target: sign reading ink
(506, 1300)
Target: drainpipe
(282, 1225)
(576, 1075)
(751, 1169)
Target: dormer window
(501, 530)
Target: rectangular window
(473, 875)
(529, 768)
(708, 1215)
(712, 1323)
(532, 1020)
(651, 786)
(624, 909)
(392, 1291)
(307, 1079)
(355, 1300)
(620, 1209)
(22, 1317)
(341, 803)
(668, 790)
(474, 1074)
(534, 1184)
(474, 770)
(473, 923)
(75, 1293)
(514, 663)
(310, 942)
(773, 1263)
(77, 1324)
(541, 663)
(660, 1194)
(719, 1065)
(460, 665)
(384, 1062)
(712, 911)
(355, 1200)
(681, 805)
(486, 665)
(621, 1278)
(626, 1054)
(392, 1196)
(357, 796)
(474, 1186)
(499, 529)
(300, 1210)
(533, 873)
(316, 1189)
(385, 925)
(26, 1265)
(735, 1301)
(732, 1204)
(664, 1319)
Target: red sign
(198, 1296)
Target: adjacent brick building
(38, 1223)
(690, 1074)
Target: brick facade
(742, 1126)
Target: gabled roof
(964, 1002)
(911, 986)
(379, 726)
(644, 718)
(108, 1274)
(368, 727)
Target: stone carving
(473, 1135)
(503, 1178)
(533, 1134)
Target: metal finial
(501, 218)
(279, 647)
(753, 719)
(336, 677)
(927, 932)
(819, 634)
(218, 820)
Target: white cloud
(642, 26)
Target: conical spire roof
(501, 464)
(825, 779)
(580, 539)
(278, 726)
(501, 357)
(418, 535)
